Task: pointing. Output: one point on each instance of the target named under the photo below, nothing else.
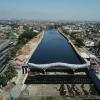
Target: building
(13, 36)
(3, 36)
(88, 43)
(20, 60)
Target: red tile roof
(20, 60)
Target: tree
(3, 80)
(13, 52)
(65, 32)
(95, 46)
(14, 73)
(50, 98)
(9, 75)
(11, 68)
(98, 45)
(80, 41)
(26, 36)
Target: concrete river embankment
(34, 45)
(74, 48)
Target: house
(88, 43)
(36, 29)
(3, 36)
(20, 60)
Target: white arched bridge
(67, 65)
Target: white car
(97, 71)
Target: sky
(50, 9)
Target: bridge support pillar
(29, 71)
(44, 71)
(73, 71)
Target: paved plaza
(40, 92)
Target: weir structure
(90, 78)
(66, 65)
(57, 79)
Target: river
(54, 48)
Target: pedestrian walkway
(16, 90)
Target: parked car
(97, 71)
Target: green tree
(23, 39)
(11, 68)
(98, 45)
(9, 75)
(26, 36)
(14, 73)
(65, 32)
(3, 80)
(80, 41)
(50, 98)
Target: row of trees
(78, 40)
(65, 32)
(23, 39)
(9, 74)
(74, 36)
(26, 36)
(3, 80)
(97, 47)
(52, 27)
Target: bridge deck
(58, 79)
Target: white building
(88, 43)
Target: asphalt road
(4, 42)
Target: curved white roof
(71, 66)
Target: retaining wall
(72, 45)
(37, 44)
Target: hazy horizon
(69, 10)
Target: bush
(50, 98)
(8, 75)
(80, 41)
(3, 80)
